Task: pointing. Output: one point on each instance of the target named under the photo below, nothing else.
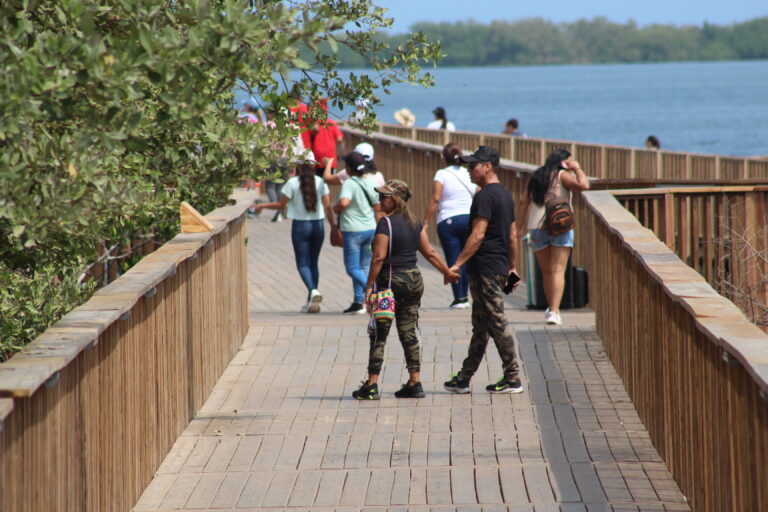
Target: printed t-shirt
(358, 216)
(458, 191)
(494, 203)
(295, 208)
(405, 243)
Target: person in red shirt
(325, 137)
(300, 113)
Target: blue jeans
(542, 239)
(307, 237)
(453, 234)
(357, 260)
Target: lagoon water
(702, 107)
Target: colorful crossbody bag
(384, 301)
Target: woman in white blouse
(452, 193)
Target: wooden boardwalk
(281, 432)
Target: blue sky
(644, 12)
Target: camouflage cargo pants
(488, 321)
(407, 287)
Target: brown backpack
(558, 214)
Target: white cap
(366, 150)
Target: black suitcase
(575, 295)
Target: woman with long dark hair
(441, 121)
(396, 268)
(307, 198)
(452, 193)
(559, 176)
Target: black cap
(355, 162)
(439, 111)
(482, 154)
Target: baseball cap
(365, 149)
(482, 154)
(395, 187)
(355, 161)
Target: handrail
(714, 315)
(606, 161)
(99, 398)
(41, 359)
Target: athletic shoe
(310, 307)
(278, 217)
(366, 392)
(315, 298)
(505, 386)
(552, 317)
(355, 309)
(415, 391)
(460, 303)
(457, 385)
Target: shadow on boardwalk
(281, 432)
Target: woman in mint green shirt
(357, 208)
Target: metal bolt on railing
(151, 293)
(53, 380)
(728, 358)
(125, 315)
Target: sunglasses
(382, 196)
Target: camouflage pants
(407, 287)
(488, 321)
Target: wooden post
(192, 221)
(669, 221)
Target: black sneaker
(415, 391)
(457, 385)
(366, 392)
(505, 386)
(355, 309)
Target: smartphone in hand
(512, 280)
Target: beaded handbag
(384, 301)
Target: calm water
(703, 107)
(712, 107)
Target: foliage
(538, 41)
(113, 111)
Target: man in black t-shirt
(490, 254)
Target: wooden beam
(192, 221)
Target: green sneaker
(366, 392)
(505, 386)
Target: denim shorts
(541, 239)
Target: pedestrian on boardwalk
(325, 136)
(441, 121)
(308, 202)
(512, 128)
(357, 208)
(399, 235)
(558, 177)
(490, 254)
(452, 193)
(371, 172)
(652, 142)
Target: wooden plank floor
(281, 432)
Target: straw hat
(405, 117)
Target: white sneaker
(311, 307)
(315, 297)
(552, 318)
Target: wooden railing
(93, 405)
(720, 232)
(603, 161)
(695, 367)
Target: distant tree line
(538, 41)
